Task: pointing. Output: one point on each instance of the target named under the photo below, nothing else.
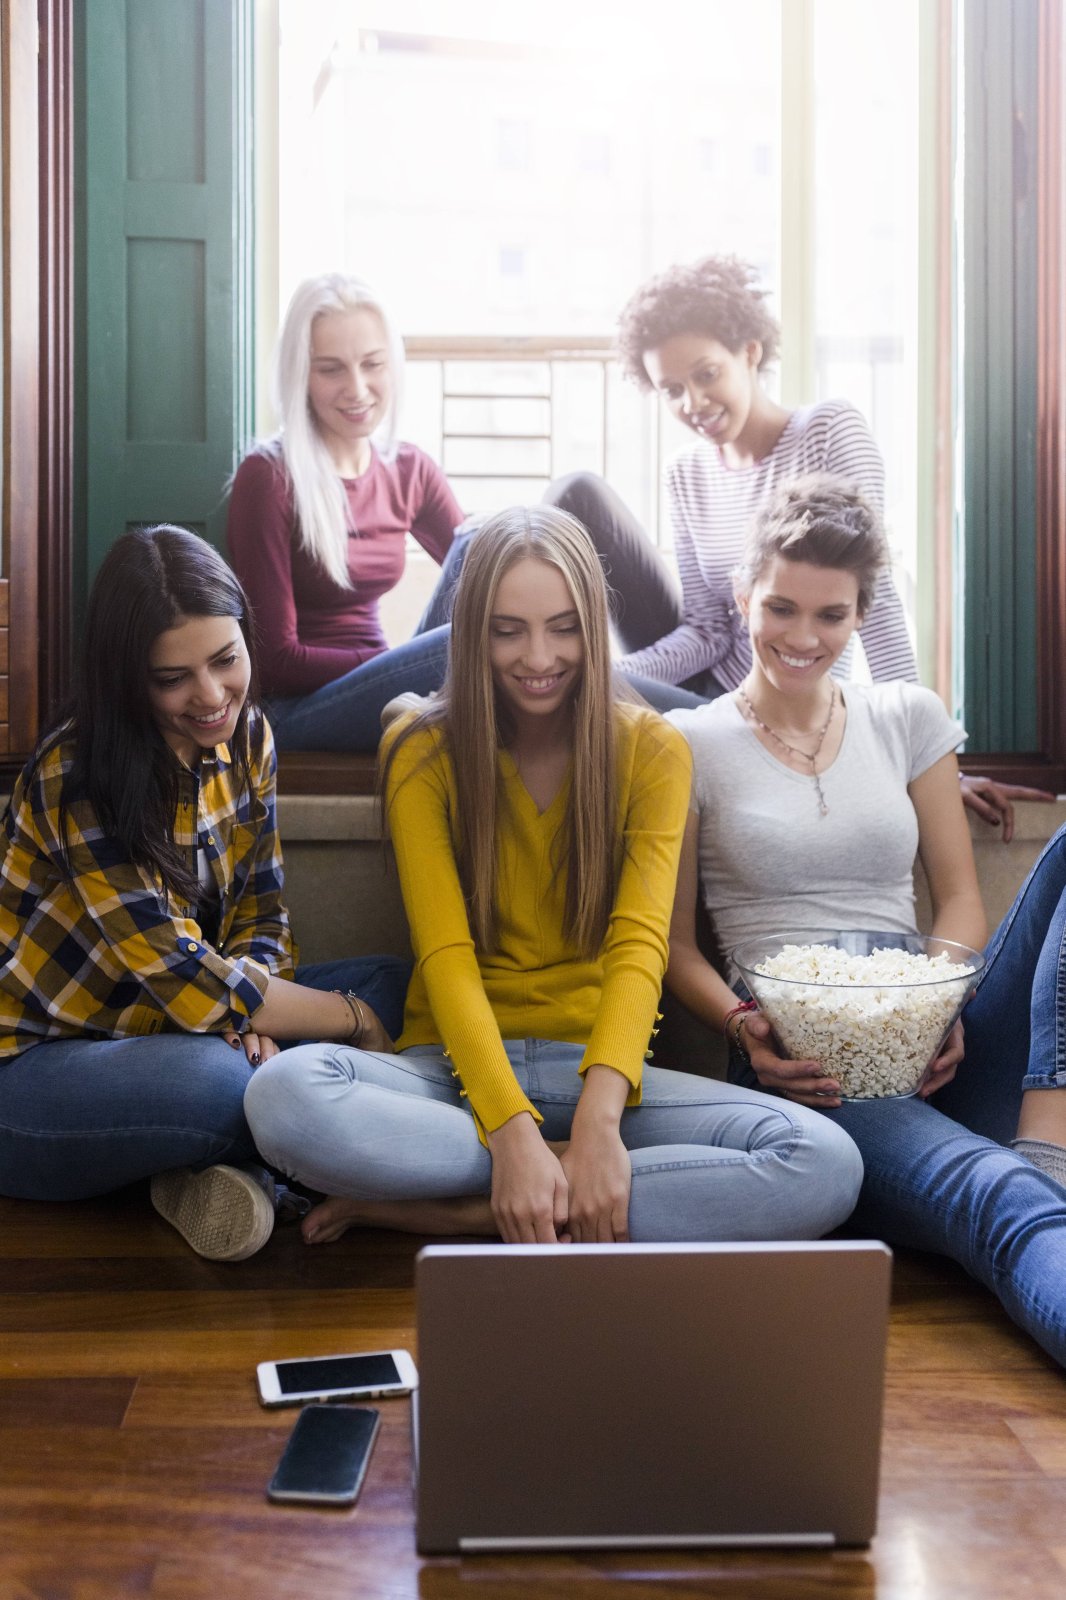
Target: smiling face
(800, 618)
(349, 389)
(707, 387)
(536, 647)
(198, 674)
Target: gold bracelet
(355, 1006)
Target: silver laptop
(627, 1396)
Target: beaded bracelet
(355, 1006)
(740, 1010)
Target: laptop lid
(649, 1395)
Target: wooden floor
(134, 1453)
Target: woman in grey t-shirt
(812, 798)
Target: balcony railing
(505, 416)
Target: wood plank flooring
(134, 1453)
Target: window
(703, 130)
(512, 261)
(513, 145)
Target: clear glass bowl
(875, 1022)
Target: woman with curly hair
(701, 336)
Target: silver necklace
(804, 755)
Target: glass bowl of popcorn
(873, 1008)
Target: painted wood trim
(798, 368)
(19, 509)
(266, 250)
(1051, 387)
(56, 520)
(936, 350)
(166, 249)
(1046, 765)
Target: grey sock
(1050, 1158)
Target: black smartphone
(326, 1456)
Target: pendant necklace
(804, 755)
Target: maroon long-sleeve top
(311, 630)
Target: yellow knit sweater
(535, 985)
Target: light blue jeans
(80, 1117)
(710, 1161)
(938, 1175)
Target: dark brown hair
(149, 581)
(822, 520)
(717, 296)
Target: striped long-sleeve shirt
(712, 507)
(103, 952)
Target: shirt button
(192, 948)
(210, 838)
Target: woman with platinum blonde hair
(318, 521)
(537, 818)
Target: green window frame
(1010, 602)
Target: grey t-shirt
(769, 861)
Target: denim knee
(278, 1098)
(829, 1179)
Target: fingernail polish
(235, 1044)
(254, 1058)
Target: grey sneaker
(222, 1213)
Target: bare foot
(330, 1219)
(333, 1217)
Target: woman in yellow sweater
(537, 821)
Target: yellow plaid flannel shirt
(104, 953)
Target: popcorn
(874, 1021)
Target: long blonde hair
(476, 725)
(317, 488)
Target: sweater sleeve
(438, 513)
(637, 944)
(125, 923)
(852, 453)
(420, 801)
(260, 529)
(704, 634)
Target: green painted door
(996, 600)
(166, 244)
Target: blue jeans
(710, 1161)
(79, 1117)
(937, 1174)
(346, 714)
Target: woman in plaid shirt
(148, 964)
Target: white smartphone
(355, 1377)
(326, 1456)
